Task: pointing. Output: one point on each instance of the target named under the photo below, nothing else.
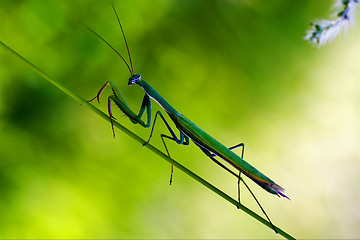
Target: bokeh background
(239, 69)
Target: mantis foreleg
(119, 100)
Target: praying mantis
(187, 129)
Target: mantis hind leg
(233, 147)
(181, 140)
(242, 156)
(212, 157)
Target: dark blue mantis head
(134, 79)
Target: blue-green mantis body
(188, 130)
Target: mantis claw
(99, 93)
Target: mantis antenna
(130, 69)
(127, 47)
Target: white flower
(324, 31)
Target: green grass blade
(142, 141)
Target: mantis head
(134, 79)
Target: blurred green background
(238, 69)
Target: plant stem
(142, 141)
